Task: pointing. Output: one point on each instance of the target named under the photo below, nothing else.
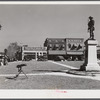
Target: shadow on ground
(71, 71)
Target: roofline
(64, 38)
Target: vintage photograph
(50, 46)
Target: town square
(49, 47)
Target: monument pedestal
(92, 64)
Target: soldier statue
(91, 27)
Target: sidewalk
(77, 72)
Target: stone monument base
(91, 62)
(93, 67)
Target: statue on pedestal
(91, 27)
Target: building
(69, 48)
(29, 53)
(66, 47)
(98, 52)
(55, 46)
(75, 48)
(1, 54)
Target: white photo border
(50, 94)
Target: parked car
(59, 58)
(27, 58)
(42, 58)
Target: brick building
(66, 47)
(98, 52)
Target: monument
(91, 49)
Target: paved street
(46, 75)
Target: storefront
(29, 53)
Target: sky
(32, 24)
